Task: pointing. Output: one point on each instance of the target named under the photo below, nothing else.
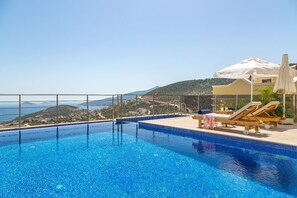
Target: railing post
(136, 105)
(88, 108)
(174, 104)
(153, 104)
(214, 103)
(185, 108)
(184, 104)
(112, 107)
(198, 102)
(20, 111)
(173, 100)
(180, 104)
(118, 107)
(236, 102)
(121, 106)
(294, 106)
(57, 109)
(168, 104)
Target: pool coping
(143, 118)
(262, 143)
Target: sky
(117, 46)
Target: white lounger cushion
(230, 117)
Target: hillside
(127, 96)
(201, 86)
(64, 110)
(67, 113)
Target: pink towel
(209, 121)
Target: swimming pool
(124, 160)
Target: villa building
(243, 86)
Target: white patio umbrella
(285, 82)
(250, 69)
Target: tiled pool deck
(282, 134)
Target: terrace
(282, 134)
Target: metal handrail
(117, 103)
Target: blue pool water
(123, 160)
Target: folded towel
(209, 121)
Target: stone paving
(283, 134)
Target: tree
(267, 95)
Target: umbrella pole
(284, 105)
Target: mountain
(28, 104)
(51, 112)
(201, 86)
(143, 91)
(127, 96)
(67, 113)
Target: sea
(10, 111)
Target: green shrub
(242, 103)
(267, 95)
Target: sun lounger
(266, 114)
(243, 116)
